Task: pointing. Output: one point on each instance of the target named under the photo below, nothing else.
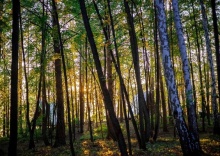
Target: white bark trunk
(186, 70)
(186, 139)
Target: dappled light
(109, 78)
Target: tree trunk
(143, 110)
(1, 25)
(107, 99)
(216, 129)
(12, 148)
(188, 144)
(192, 71)
(45, 112)
(37, 109)
(157, 79)
(163, 101)
(81, 94)
(217, 54)
(118, 70)
(65, 80)
(25, 77)
(202, 94)
(117, 67)
(192, 120)
(109, 79)
(87, 98)
(45, 106)
(20, 129)
(60, 138)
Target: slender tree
(117, 67)
(107, 99)
(45, 106)
(81, 92)
(216, 129)
(143, 110)
(157, 79)
(1, 27)
(217, 52)
(192, 120)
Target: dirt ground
(166, 145)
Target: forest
(102, 77)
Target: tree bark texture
(192, 119)
(60, 138)
(186, 139)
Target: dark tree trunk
(144, 113)
(111, 133)
(26, 78)
(37, 109)
(4, 119)
(216, 129)
(117, 67)
(45, 112)
(157, 78)
(45, 106)
(1, 25)
(163, 101)
(107, 99)
(216, 36)
(60, 138)
(12, 148)
(87, 97)
(66, 82)
(81, 96)
(126, 124)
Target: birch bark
(190, 103)
(187, 141)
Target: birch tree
(188, 141)
(192, 120)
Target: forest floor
(166, 145)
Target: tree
(45, 106)
(192, 120)
(143, 110)
(217, 52)
(117, 67)
(187, 140)
(12, 148)
(216, 129)
(157, 78)
(81, 93)
(107, 99)
(60, 128)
